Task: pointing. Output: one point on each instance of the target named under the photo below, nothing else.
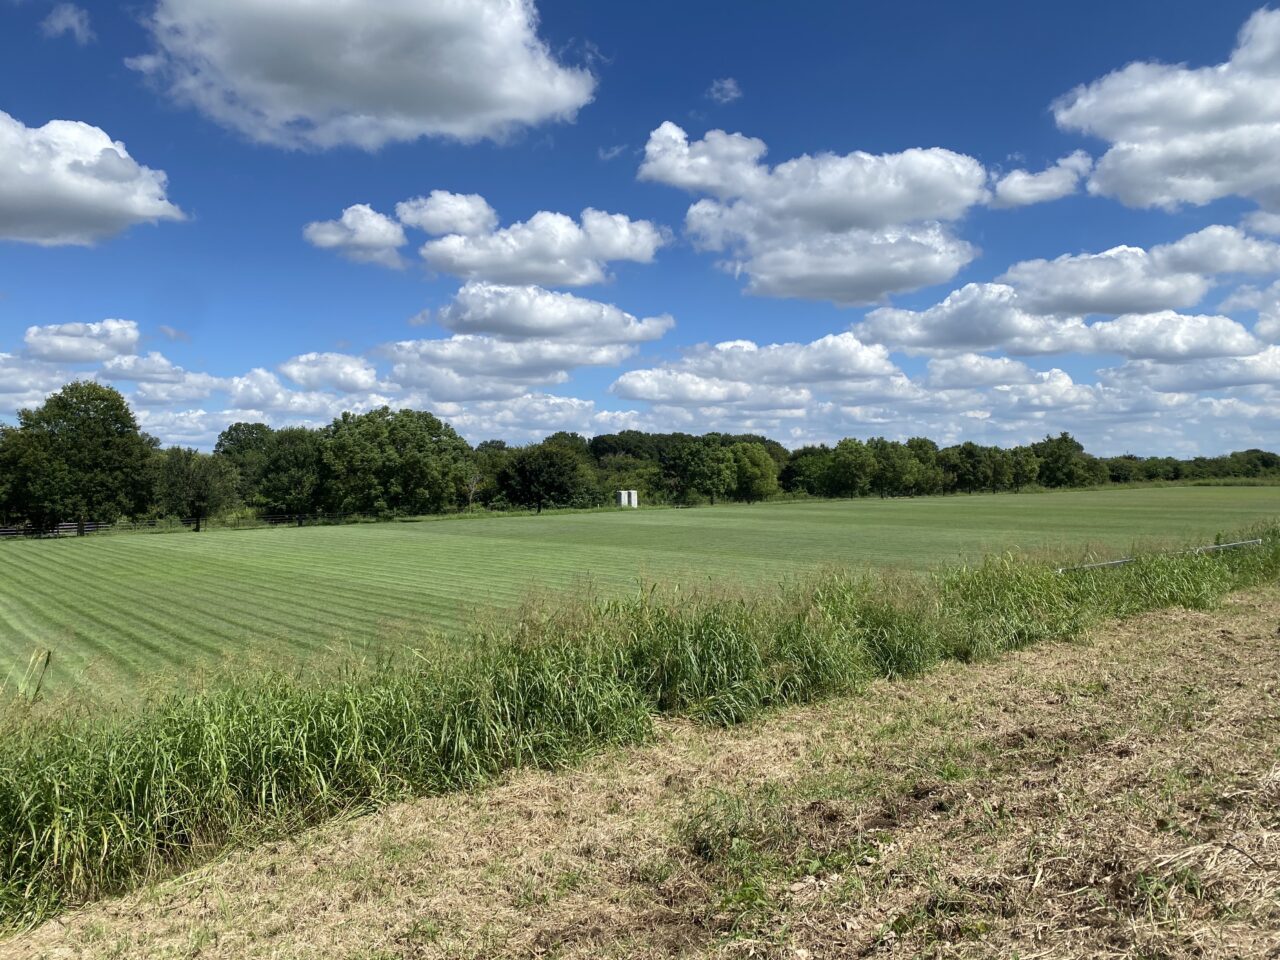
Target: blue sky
(967, 222)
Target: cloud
(189, 387)
(1020, 188)
(1216, 373)
(473, 367)
(848, 228)
(443, 212)
(261, 390)
(1262, 222)
(69, 183)
(1181, 135)
(685, 388)
(978, 316)
(968, 370)
(1132, 280)
(82, 342)
(1265, 301)
(324, 73)
(549, 249)
(335, 371)
(154, 368)
(26, 383)
(532, 416)
(531, 312)
(774, 377)
(67, 18)
(360, 234)
(611, 153)
(1172, 337)
(174, 334)
(724, 90)
(1120, 280)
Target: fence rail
(71, 528)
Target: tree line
(81, 458)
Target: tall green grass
(92, 804)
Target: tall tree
(404, 463)
(246, 446)
(852, 466)
(193, 485)
(1024, 468)
(1061, 461)
(293, 476)
(756, 472)
(548, 475)
(895, 468)
(78, 457)
(806, 471)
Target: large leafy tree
(806, 470)
(1024, 468)
(404, 462)
(1062, 461)
(548, 475)
(852, 466)
(246, 446)
(755, 472)
(193, 485)
(293, 475)
(78, 457)
(895, 470)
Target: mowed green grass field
(120, 611)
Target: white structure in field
(628, 498)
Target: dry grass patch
(1113, 798)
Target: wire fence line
(1208, 548)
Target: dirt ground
(1118, 797)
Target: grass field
(117, 611)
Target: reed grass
(91, 804)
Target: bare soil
(1118, 797)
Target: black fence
(175, 525)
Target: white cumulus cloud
(329, 72)
(361, 234)
(848, 228)
(531, 312)
(1020, 188)
(69, 183)
(551, 249)
(82, 342)
(444, 212)
(335, 371)
(1188, 135)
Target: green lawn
(121, 610)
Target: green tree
(895, 468)
(928, 476)
(755, 472)
(78, 457)
(293, 476)
(193, 485)
(246, 447)
(1061, 461)
(852, 466)
(403, 463)
(548, 475)
(1024, 468)
(999, 469)
(806, 471)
